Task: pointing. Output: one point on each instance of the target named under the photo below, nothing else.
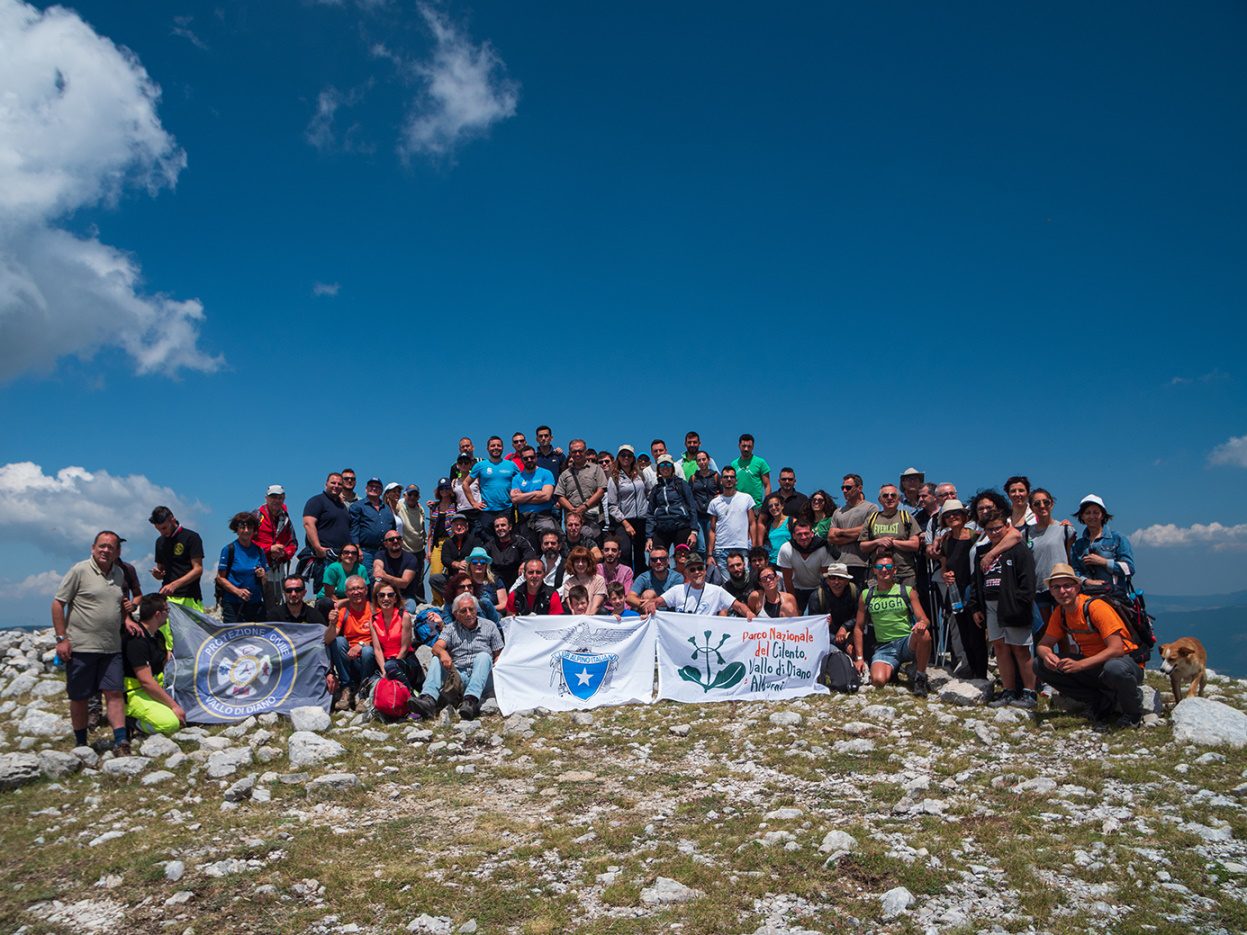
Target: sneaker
(1129, 721)
(1004, 699)
(470, 708)
(121, 749)
(920, 686)
(1028, 700)
(426, 705)
(336, 705)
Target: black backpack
(838, 673)
(1133, 613)
(229, 566)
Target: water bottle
(954, 599)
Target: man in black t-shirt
(508, 551)
(179, 561)
(143, 659)
(326, 527)
(392, 565)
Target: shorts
(895, 653)
(88, 674)
(1013, 636)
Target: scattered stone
(224, 763)
(174, 870)
(858, 745)
(576, 775)
(158, 746)
(837, 844)
(39, 723)
(468, 927)
(239, 729)
(784, 814)
(517, 725)
(966, 692)
(780, 719)
(1040, 785)
(434, 925)
(666, 891)
(1223, 833)
(156, 778)
(90, 759)
(240, 790)
(895, 901)
(1208, 723)
(57, 764)
(309, 749)
(176, 760)
(681, 730)
(582, 718)
(880, 712)
(332, 783)
(227, 867)
(126, 767)
(180, 898)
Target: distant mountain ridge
(1159, 603)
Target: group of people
(913, 574)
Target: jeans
(703, 530)
(477, 677)
(352, 672)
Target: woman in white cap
(1103, 558)
(627, 501)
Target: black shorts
(88, 674)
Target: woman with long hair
(391, 639)
(822, 506)
(705, 485)
(773, 528)
(956, 553)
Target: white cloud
(182, 29)
(1232, 452)
(465, 92)
(326, 288)
(1214, 535)
(43, 583)
(78, 126)
(60, 513)
(322, 132)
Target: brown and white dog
(1184, 660)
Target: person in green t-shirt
(753, 474)
(901, 631)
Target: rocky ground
(874, 812)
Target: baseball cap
(627, 448)
(455, 517)
(412, 488)
(373, 480)
(392, 485)
(443, 483)
(666, 459)
(275, 490)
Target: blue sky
(979, 240)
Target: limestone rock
(332, 783)
(310, 718)
(126, 767)
(159, 746)
(156, 778)
(240, 790)
(224, 763)
(39, 723)
(90, 759)
(966, 692)
(1208, 723)
(56, 764)
(780, 719)
(666, 891)
(17, 769)
(837, 844)
(895, 901)
(308, 749)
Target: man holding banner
(697, 597)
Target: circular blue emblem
(244, 670)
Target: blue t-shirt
(645, 581)
(495, 481)
(528, 484)
(242, 572)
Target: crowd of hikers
(416, 594)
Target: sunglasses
(657, 558)
(294, 590)
(888, 496)
(1041, 502)
(479, 561)
(766, 577)
(389, 539)
(882, 567)
(848, 486)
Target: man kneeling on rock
(152, 709)
(1095, 666)
(902, 634)
(463, 660)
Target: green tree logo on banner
(726, 677)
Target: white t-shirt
(731, 530)
(688, 600)
(806, 570)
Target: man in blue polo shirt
(494, 475)
(655, 581)
(532, 492)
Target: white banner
(704, 658)
(569, 663)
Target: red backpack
(390, 698)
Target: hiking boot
(1129, 721)
(469, 708)
(1028, 700)
(921, 685)
(1004, 699)
(336, 705)
(426, 706)
(351, 699)
(121, 749)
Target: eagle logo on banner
(582, 670)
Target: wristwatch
(62, 638)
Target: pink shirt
(623, 574)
